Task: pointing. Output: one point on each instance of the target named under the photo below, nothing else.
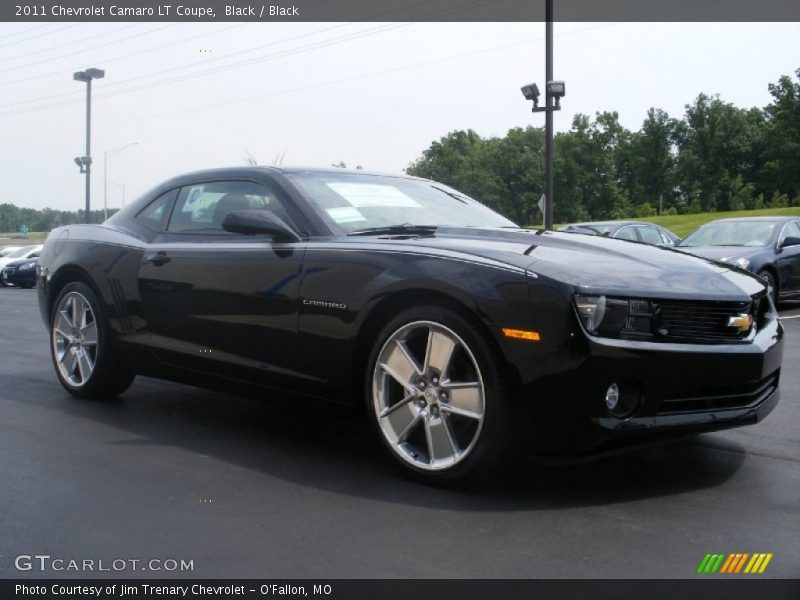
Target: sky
(187, 96)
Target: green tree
(781, 172)
(717, 141)
(717, 157)
(587, 177)
(650, 159)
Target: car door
(223, 303)
(788, 260)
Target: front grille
(10, 270)
(719, 397)
(702, 322)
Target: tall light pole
(106, 155)
(85, 162)
(548, 115)
(121, 186)
(554, 91)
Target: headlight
(27, 266)
(601, 315)
(739, 262)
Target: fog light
(612, 397)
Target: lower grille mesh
(720, 397)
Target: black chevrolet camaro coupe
(466, 339)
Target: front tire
(437, 396)
(80, 344)
(769, 280)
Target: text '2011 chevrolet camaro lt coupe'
(467, 339)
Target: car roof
(23, 260)
(761, 219)
(294, 169)
(610, 223)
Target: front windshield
(731, 233)
(353, 202)
(19, 252)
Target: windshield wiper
(451, 194)
(396, 229)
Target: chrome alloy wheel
(428, 395)
(75, 339)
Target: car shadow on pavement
(333, 450)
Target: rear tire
(81, 348)
(437, 397)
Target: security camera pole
(548, 115)
(554, 90)
(85, 162)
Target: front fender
(338, 303)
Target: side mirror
(790, 241)
(254, 222)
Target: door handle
(157, 259)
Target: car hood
(19, 262)
(592, 264)
(7, 261)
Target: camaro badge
(741, 322)
(324, 304)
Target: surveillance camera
(78, 161)
(531, 92)
(557, 89)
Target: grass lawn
(33, 238)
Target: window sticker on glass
(194, 194)
(345, 214)
(363, 195)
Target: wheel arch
(64, 276)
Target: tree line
(716, 157)
(13, 218)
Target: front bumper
(18, 277)
(682, 389)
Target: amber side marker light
(521, 334)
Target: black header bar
(710, 588)
(396, 10)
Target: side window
(626, 233)
(790, 230)
(152, 216)
(650, 235)
(203, 207)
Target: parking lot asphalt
(246, 489)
